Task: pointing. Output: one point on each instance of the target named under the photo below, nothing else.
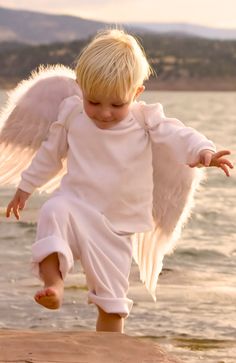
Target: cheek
(122, 113)
(89, 110)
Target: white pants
(76, 231)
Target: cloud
(52, 5)
(219, 13)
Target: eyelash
(117, 106)
(97, 103)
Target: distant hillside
(40, 28)
(36, 28)
(180, 63)
(189, 30)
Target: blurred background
(190, 44)
(192, 47)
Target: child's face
(106, 112)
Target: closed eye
(94, 103)
(120, 105)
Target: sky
(213, 13)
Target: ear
(138, 92)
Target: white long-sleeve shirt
(111, 169)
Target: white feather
(25, 120)
(173, 193)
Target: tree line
(173, 58)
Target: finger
(227, 162)
(15, 211)
(197, 164)
(230, 164)
(8, 211)
(220, 153)
(225, 169)
(219, 162)
(193, 165)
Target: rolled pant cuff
(45, 247)
(120, 306)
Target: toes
(45, 293)
(48, 298)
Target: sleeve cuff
(206, 146)
(26, 187)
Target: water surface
(194, 316)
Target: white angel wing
(174, 188)
(25, 120)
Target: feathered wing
(173, 196)
(25, 120)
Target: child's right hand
(17, 203)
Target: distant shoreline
(184, 84)
(193, 84)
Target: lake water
(195, 313)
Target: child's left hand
(208, 158)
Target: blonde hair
(112, 63)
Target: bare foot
(51, 296)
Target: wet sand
(78, 347)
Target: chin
(104, 124)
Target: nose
(106, 114)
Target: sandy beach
(78, 347)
